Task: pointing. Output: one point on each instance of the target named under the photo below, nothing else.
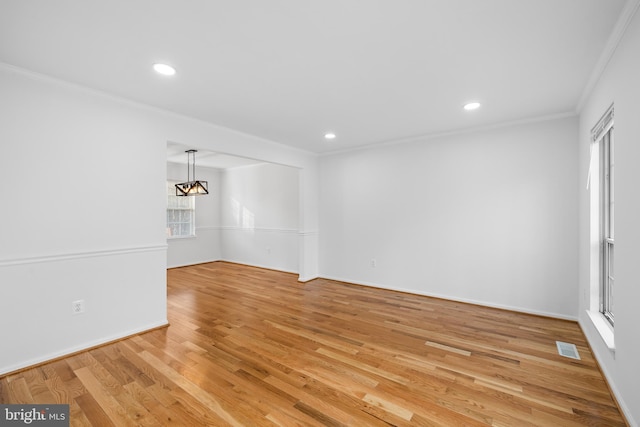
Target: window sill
(604, 328)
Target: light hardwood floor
(249, 346)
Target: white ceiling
(289, 70)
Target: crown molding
(627, 14)
(476, 129)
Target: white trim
(590, 172)
(197, 230)
(604, 124)
(617, 33)
(170, 238)
(207, 227)
(604, 329)
(236, 228)
(626, 411)
(147, 107)
(81, 255)
(457, 299)
(429, 136)
(169, 267)
(599, 131)
(260, 230)
(266, 267)
(82, 347)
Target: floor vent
(567, 350)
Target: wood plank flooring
(249, 346)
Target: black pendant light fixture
(192, 187)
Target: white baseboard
(266, 267)
(592, 335)
(193, 263)
(78, 348)
(457, 299)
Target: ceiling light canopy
(329, 135)
(471, 106)
(192, 187)
(164, 69)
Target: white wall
(619, 85)
(87, 220)
(486, 217)
(75, 223)
(205, 246)
(260, 219)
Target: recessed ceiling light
(472, 106)
(164, 69)
(329, 135)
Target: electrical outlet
(374, 263)
(77, 307)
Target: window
(607, 225)
(602, 212)
(181, 213)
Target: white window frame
(181, 214)
(607, 204)
(602, 222)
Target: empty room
(305, 213)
